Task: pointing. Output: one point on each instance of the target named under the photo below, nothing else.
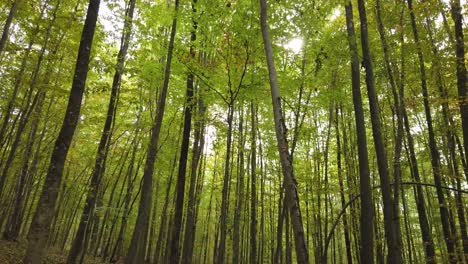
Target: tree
(40, 226)
(367, 211)
(6, 27)
(137, 251)
(394, 250)
(292, 199)
(106, 137)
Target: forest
(233, 131)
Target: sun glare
(295, 45)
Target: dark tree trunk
(190, 225)
(40, 226)
(461, 70)
(292, 198)
(136, 253)
(98, 170)
(253, 187)
(394, 250)
(6, 27)
(180, 185)
(13, 227)
(435, 162)
(367, 211)
(239, 190)
(399, 133)
(346, 228)
(463, 102)
(419, 195)
(181, 175)
(225, 196)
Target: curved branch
(343, 210)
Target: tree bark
(253, 187)
(101, 156)
(394, 250)
(292, 198)
(225, 196)
(435, 159)
(6, 27)
(461, 70)
(40, 226)
(239, 189)
(136, 253)
(367, 211)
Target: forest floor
(13, 253)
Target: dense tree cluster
(242, 131)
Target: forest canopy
(233, 131)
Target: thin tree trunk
(461, 70)
(239, 189)
(190, 225)
(349, 255)
(225, 196)
(291, 194)
(399, 133)
(6, 27)
(394, 250)
(181, 176)
(435, 159)
(101, 156)
(136, 253)
(426, 235)
(253, 187)
(367, 211)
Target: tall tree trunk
(435, 159)
(292, 198)
(461, 69)
(239, 189)
(101, 156)
(367, 211)
(136, 253)
(253, 187)
(12, 100)
(6, 27)
(394, 250)
(225, 196)
(40, 226)
(180, 184)
(190, 224)
(426, 235)
(461, 85)
(399, 133)
(346, 228)
(13, 227)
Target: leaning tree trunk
(197, 150)
(136, 253)
(413, 162)
(6, 27)
(182, 171)
(394, 250)
(461, 69)
(367, 211)
(435, 159)
(98, 170)
(40, 226)
(292, 198)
